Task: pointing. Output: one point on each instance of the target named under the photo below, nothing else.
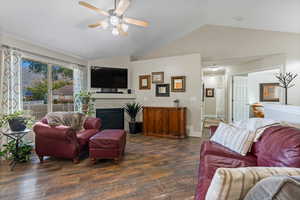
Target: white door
(240, 98)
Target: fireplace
(112, 118)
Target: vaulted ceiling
(62, 25)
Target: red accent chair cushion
(279, 147)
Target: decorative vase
(135, 127)
(17, 124)
(286, 96)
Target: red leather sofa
(62, 141)
(279, 146)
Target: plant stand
(17, 137)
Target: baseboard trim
(213, 116)
(195, 134)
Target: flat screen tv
(104, 77)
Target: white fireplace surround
(113, 100)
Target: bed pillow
(276, 187)
(236, 139)
(235, 183)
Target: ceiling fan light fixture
(115, 31)
(104, 24)
(125, 27)
(114, 20)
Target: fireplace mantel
(113, 96)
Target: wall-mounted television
(104, 77)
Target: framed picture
(269, 92)
(210, 92)
(157, 77)
(178, 83)
(162, 90)
(145, 82)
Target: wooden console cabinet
(165, 121)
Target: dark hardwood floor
(153, 169)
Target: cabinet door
(155, 121)
(160, 121)
(177, 122)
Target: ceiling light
(238, 18)
(125, 27)
(104, 24)
(114, 20)
(115, 31)
(214, 68)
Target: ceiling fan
(115, 18)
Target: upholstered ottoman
(107, 144)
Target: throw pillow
(236, 139)
(234, 183)
(253, 124)
(276, 187)
(73, 119)
(257, 125)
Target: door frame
(281, 68)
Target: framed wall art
(157, 77)
(269, 92)
(162, 90)
(145, 82)
(210, 92)
(178, 83)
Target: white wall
(220, 43)
(211, 103)
(254, 81)
(187, 65)
(36, 49)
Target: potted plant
(9, 149)
(132, 109)
(16, 121)
(86, 100)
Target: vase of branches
(285, 81)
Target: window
(62, 89)
(36, 84)
(35, 87)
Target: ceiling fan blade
(135, 22)
(122, 7)
(123, 33)
(95, 25)
(98, 10)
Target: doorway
(248, 93)
(214, 96)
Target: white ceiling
(62, 24)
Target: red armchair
(62, 141)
